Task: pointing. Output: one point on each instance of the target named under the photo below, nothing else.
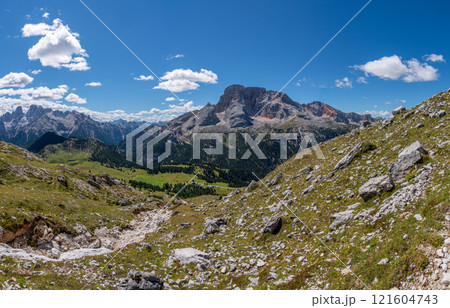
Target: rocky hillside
(374, 214)
(23, 128)
(242, 107)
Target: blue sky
(393, 53)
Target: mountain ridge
(242, 107)
(22, 128)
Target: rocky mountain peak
(240, 107)
(22, 128)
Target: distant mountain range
(247, 109)
(23, 128)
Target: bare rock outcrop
(407, 158)
(141, 281)
(375, 186)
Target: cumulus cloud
(170, 99)
(177, 56)
(180, 80)
(40, 93)
(8, 104)
(361, 79)
(144, 78)
(78, 64)
(35, 72)
(394, 68)
(58, 47)
(17, 80)
(343, 83)
(380, 113)
(46, 15)
(420, 72)
(73, 98)
(93, 84)
(434, 58)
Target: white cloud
(177, 56)
(46, 15)
(144, 78)
(361, 79)
(397, 101)
(93, 84)
(78, 64)
(73, 98)
(420, 72)
(17, 80)
(375, 113)
(386, 68)
(180, 80)
(434, 58)
(35, 72)
(170, 99)
(57, 46)
(40, 93)
(177, 85)
(394, 68)
(8, 104)
(343, 83)
(300, 82)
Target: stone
(446, 279)
(365, 123)
(125, 202)
(273, 225)
(188, 256)
(147, 246)
(276, 179)
(375, 186)
(347, 159)
(407, 158)
(438, 114)
(62, 179)
(341, 218)
(94, 263)
(254, 281)
(253, 185)
(383, 261)
(212, 225)
(418, 217)
(388, 121)
(398, 110)
(201, 267)
(233, 193)
(95, 184)
(95, 244)
(260, 263)
(141, 281)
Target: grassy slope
(399, 237)
(82, 160)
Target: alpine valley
(371, 213)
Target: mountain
(372, 214)
(253, 110)
(46, 139)
(243, 107)
(23, 128)
(82, 149)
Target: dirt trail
(111, 240)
